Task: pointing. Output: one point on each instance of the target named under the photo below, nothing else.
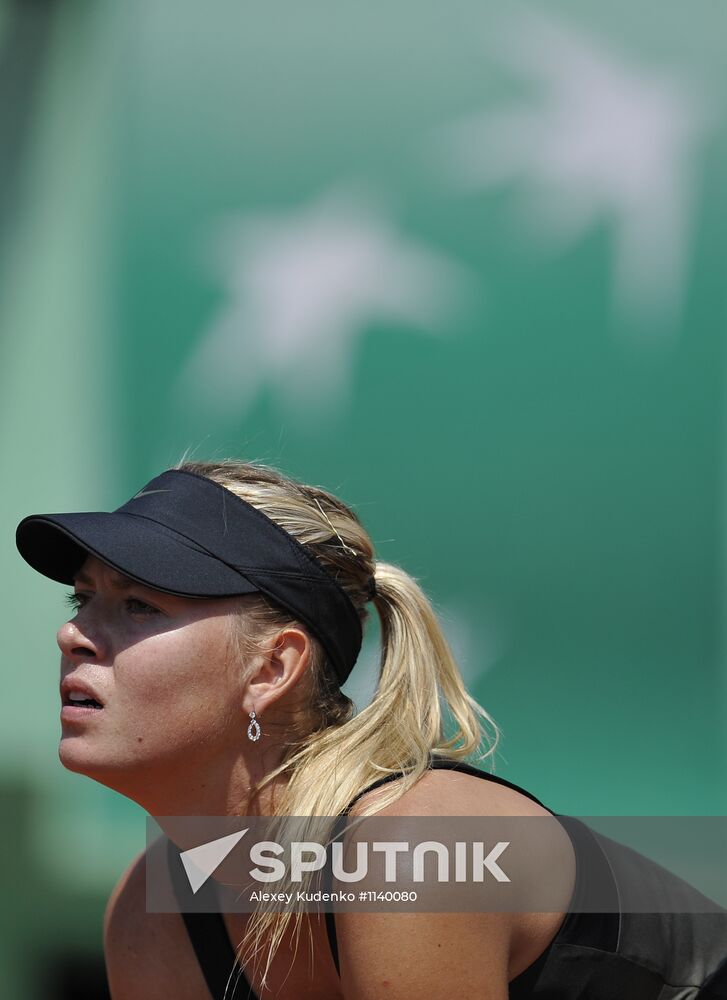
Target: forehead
(93, 569)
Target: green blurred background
(462, 264)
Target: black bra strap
(333, 938)
(337, 831)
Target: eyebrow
(118, 583)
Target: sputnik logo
(200, 862)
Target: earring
(253, 730)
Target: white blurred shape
(300, 287)
(600, 139)
(475, 650)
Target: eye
(140, 607)
(134, 605)
(75, 601)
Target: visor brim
(56, 545)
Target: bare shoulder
(484, 950)
(147, 954)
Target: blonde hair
(332, 753)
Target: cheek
(178, 676)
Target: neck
(206, 788)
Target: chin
(76, 755)
(79, 755)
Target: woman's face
(165, 671)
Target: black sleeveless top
(594, 956)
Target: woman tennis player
(217, 614)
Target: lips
(82, 692)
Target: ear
(278, 668)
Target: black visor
(185, 534)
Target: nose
(73, 642)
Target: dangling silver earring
(253, 730)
